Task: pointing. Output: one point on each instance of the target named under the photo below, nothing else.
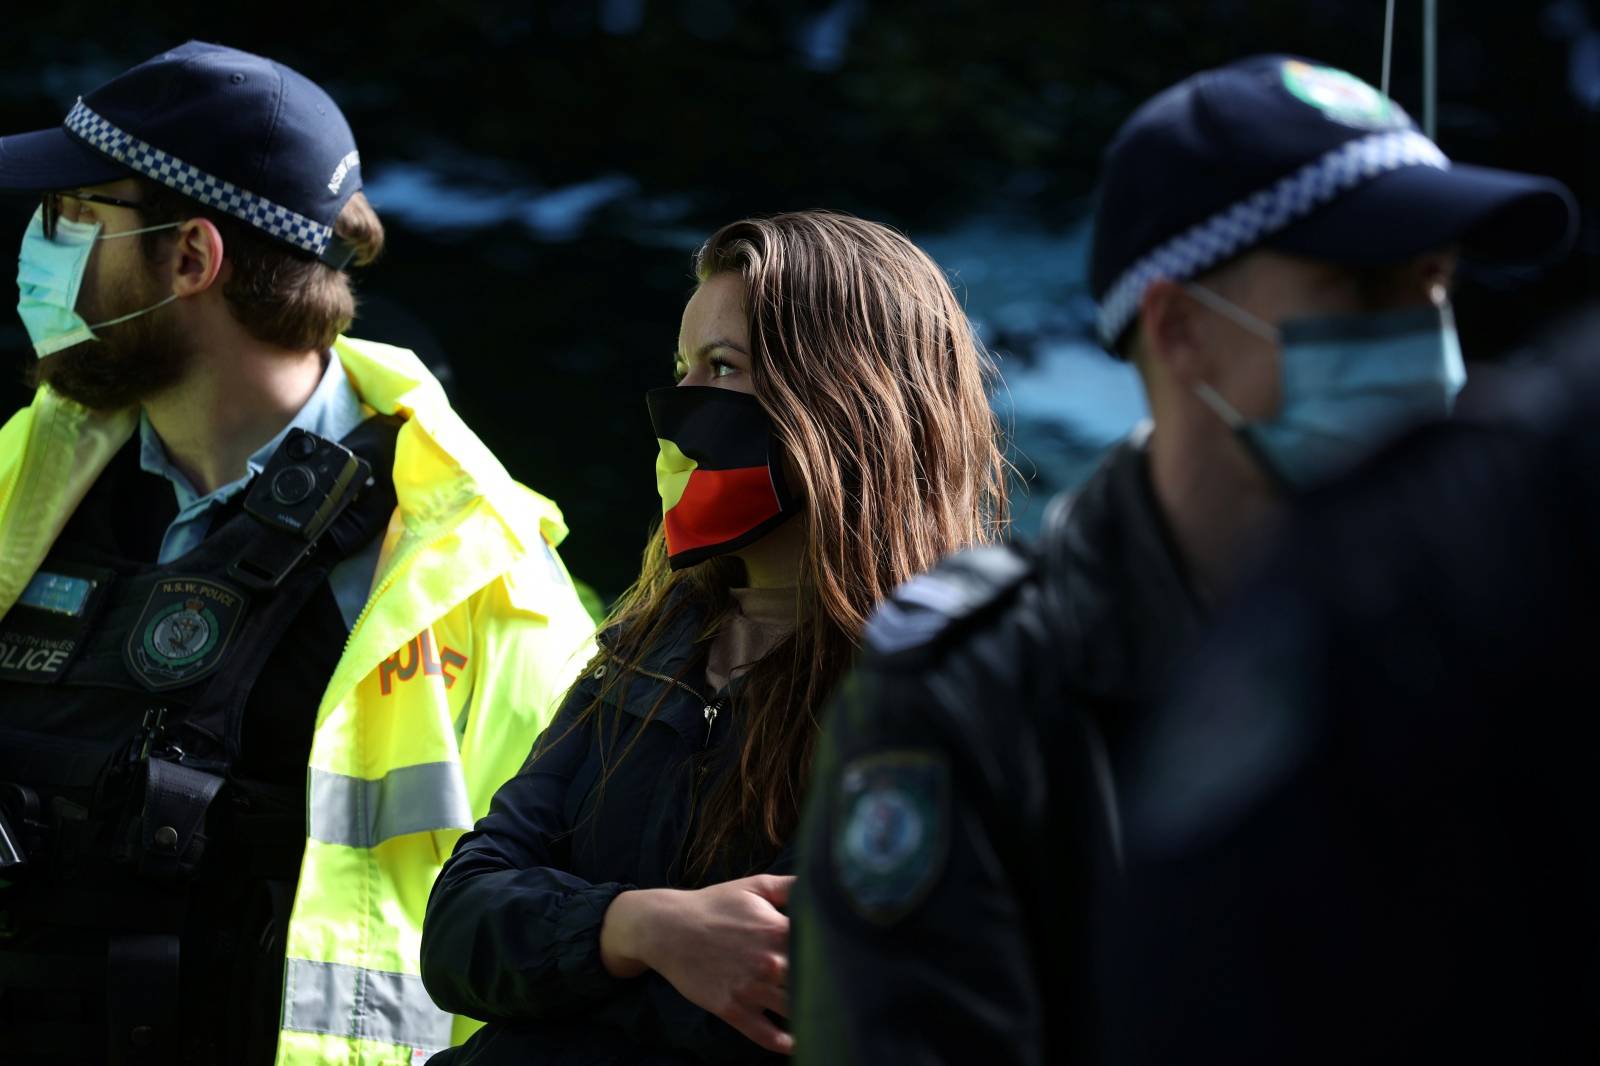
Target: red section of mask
(719, 505)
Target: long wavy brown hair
(877, 388)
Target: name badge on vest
(183, 631)
(45, 628)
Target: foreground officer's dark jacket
(959, 803)
(1363, 829)
(512, 934)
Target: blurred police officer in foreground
(1362, 830)
(1273, 249)
(235, 545)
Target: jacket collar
(452, 494)
(663, 680)
(445, 465)
(667, 659)
(1120, 584)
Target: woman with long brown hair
(829, 437)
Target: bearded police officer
(1273, 249)
(275, 623)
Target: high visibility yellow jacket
(471, 632)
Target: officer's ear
(197, 257)
(1171, 333)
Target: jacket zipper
(709, 708)
(390, 575)
(389, 579)
(366, 609)
(712, 710)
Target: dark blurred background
(546, 169)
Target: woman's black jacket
(512, 934)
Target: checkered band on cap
(153, 163)
(1252, 220)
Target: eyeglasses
(52, 206)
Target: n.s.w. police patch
(891, 831)
(183, 632)
(1344, 98)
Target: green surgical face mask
(50, 273)
(1349, 384)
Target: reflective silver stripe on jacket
(411, 799)
(347, 1001)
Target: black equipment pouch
(171, 826)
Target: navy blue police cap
(1281, 152)
(237, 132)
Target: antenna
(1388, 45)
(1430, 61)
(1430, 67)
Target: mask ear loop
(132, 314)
(1228, 309)
(1239, 426)
(1224, 410)
(143, 310)
(136, 232)
(1229, 414)
(66, 224)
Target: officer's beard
(125, 363)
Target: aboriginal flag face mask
(719, 474)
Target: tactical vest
(155, 722)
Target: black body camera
(308, 481)
(307, 484)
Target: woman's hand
(725, 948)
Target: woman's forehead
(715, 310)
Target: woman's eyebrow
(721, 342)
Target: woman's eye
(721, 368)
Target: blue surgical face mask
(49, 274)
(1348, 384)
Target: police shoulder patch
(891, 831)
(923, 609)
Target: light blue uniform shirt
(333, 411)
